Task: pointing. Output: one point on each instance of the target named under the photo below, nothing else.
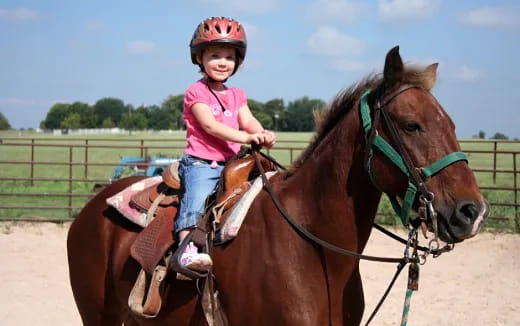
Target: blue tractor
(150, 167)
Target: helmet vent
(218, 29)
(229, 29)
(206, 27)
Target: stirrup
(175, 263)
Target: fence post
(515, 191)
(142, 144)
(32, 162)
(70, 181)
(86, 158)
(495, 162)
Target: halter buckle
(423, 176)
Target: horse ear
(430, 76)
(393, 72)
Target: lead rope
(414, 261)
(412, 241)
(412, 285)
(303, 232)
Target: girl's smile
(219, 62)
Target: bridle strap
(398, 155)
(308, 235)
(398, 143)
(431, 171)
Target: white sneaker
(192, 259)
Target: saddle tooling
(153, 246)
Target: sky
(67, 51)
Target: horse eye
(411, 127)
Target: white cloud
(328, 41)
(18, 14)
(242, 6)
(469, 74)
(17, 101)
(94, 25)
(344, 64)
(492, 17)
(344, 11)
(139, 47)
(403, 11)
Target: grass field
(171, 145)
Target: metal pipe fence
(497, 161)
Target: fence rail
(495, 160)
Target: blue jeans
(199, 180)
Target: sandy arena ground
(476, 284)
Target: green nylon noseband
(403, 211)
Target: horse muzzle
(456, 223)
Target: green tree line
(4, 123)
(113, 112)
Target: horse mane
(329, 116)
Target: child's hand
(264, 138)
(270, 138)
(256, 138)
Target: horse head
(413, 155)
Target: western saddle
(153, 245)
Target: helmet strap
(208, 79)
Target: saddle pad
(121, 200)
(238, 213)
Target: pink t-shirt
(200, 143)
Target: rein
(412, 240)
(306, 234)
(417, 179)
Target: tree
(144, 110)
(173, 107)
(88, 118)
(134, 121)
(160, 119)
(500, 136)
(55, 116)
(110, 107)
(299, 114)
(108, 123)
(482, 134)
(258, 110)
(4, 123)
(276, 109)
(72, 121)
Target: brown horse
(270, 275)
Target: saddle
(165, 195)
(152, 247)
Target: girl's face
(219, 62)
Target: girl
(213, 114)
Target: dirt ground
(476, 284)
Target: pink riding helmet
(219, 30)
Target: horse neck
(344, 197)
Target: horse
(270, 274)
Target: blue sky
(66, 51)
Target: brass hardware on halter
(423, 175)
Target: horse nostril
(470, 211)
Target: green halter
(403, 211)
